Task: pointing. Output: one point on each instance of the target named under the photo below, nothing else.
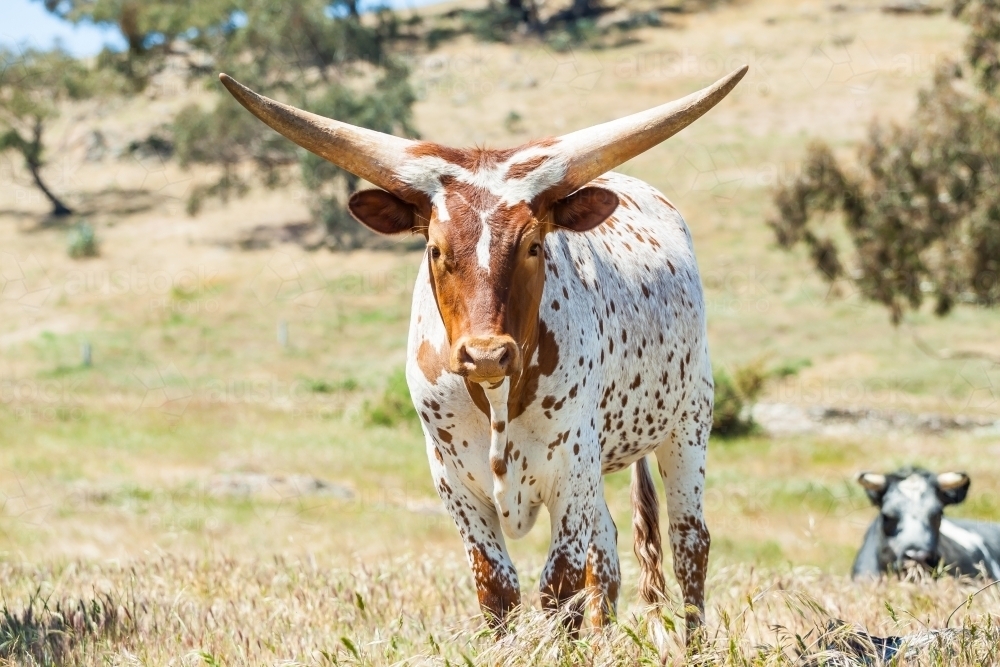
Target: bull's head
(910, 502)
(484, 213)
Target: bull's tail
(649, 550)
(646, 535)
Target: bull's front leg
(572, 507)
(496, 579)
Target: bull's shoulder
(645, 232)
(637, 196)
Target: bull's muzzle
(486, 358)
(921, 557)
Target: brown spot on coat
(432, 362)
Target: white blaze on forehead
(483, 245)
(913, 487)
(441, 206)
(425, 174)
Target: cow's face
(486, 220)
(487, 266)
(911, 502)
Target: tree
(920, 216)
(227, 136)
(33, 84)
(386, 108)
(315, 56)
(150, 28)
(312, 53)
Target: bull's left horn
(374, 156)
(599, 149)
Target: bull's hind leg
(604, 575)
(681, 460)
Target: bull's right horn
(595, 150)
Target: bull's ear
(952, 487)
(875, 486)
(585, 209)
(382, 212)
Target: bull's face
(911, 504)
(487, 268)
(486, 247)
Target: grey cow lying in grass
(910, 530)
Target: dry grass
(221, 611)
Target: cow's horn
(947, 481)
(374, 156)
(872, 481)
(601, 148)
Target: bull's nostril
(504, 358)
(464, 357)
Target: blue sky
(26, 22)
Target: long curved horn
(374, 156)
(599, 149)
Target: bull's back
(970, 547)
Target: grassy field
(417, 610)
(201, 478)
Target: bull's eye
(535, 249)
(435, 252)
(890, 524)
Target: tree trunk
(59, 209)
(582, 8)
(526, 12)
(33, 159)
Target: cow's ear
(875, 486)
(584, 209)
(952, 487)
(382, 212)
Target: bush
(82, 241)
(385, 108)
(919, 218)
(735, 395)
(394, 407)
(227, 136)
(327, 387)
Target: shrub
(327, 387)
(735, 395)
(394, 407)
(82, 241)
(919, 218)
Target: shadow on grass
(110, 202)
(45, 634)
